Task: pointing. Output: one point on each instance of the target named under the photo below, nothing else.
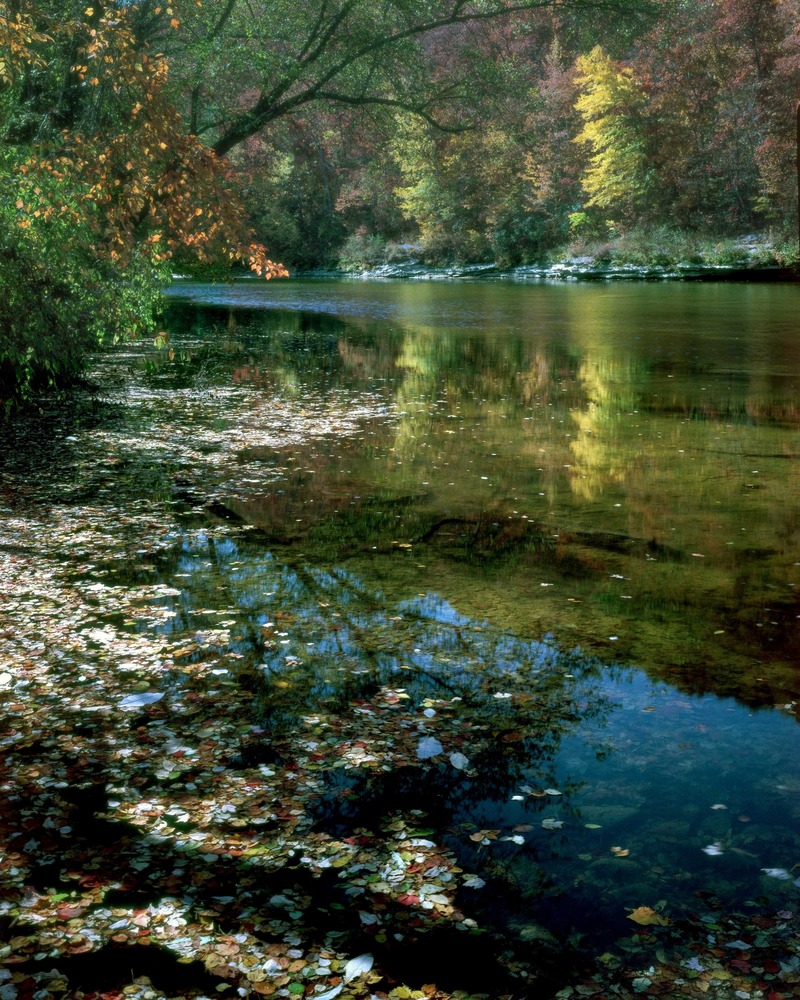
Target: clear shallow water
(597, 484)
(600, 789)
(509, 571)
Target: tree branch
(275, 104)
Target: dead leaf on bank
(645, 915)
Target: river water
(553, 528)
(600, 482)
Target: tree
(611, 104)
(244, 65)
(104, 186)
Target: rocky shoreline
(572, 269)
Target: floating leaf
(139, 700)
(474, 882)
(693, 963)
(552, 824)
(329, 994)
(779, 873)
(459, 761)
(552, 791)
(536, 792)
(429, 747)
(645, 916)
(358, 966)
(713, 849)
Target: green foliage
(59, 300)
(102, 185)
(362, 251)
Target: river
(550, 531)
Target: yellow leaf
(644, 915)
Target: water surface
(504, 572)
(601, 480)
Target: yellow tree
(611, 104)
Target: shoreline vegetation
(659, 254)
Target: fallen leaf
(358, 966)
(429, 747)
(645, 916)
(139, 700)
(779, 873)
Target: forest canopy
(140, 138)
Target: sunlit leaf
(358, 966)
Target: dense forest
(141, 138)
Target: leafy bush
(362, 251)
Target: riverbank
(575, 269)
(636, 257)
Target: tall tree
(617, 178)
(101, 187)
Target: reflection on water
(573, 513)
(544, 538)
(617, 466)
(600, 789)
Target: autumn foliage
(104, 187)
